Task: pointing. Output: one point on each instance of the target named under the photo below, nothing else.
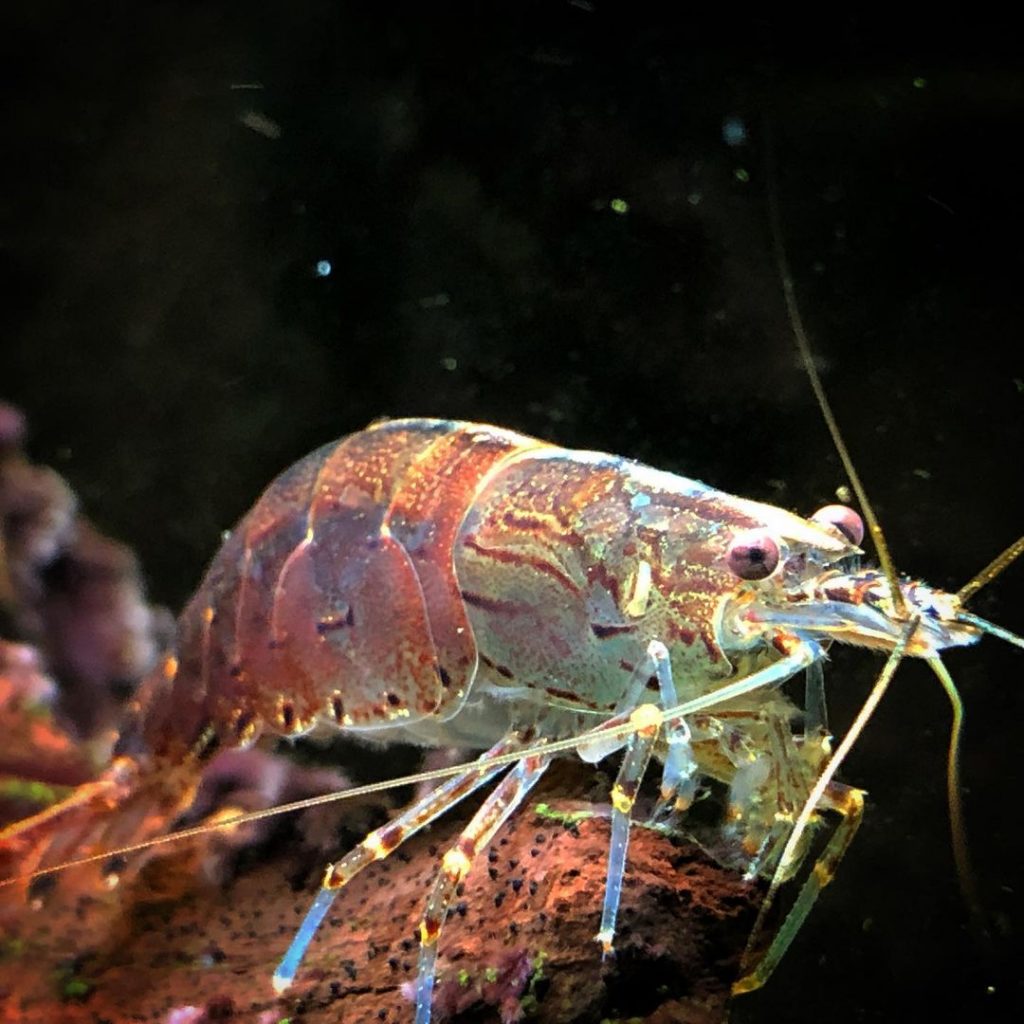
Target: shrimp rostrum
(454, 584)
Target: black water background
(163, 324)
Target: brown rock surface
(518, 946)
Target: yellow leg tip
(749, 983)
(456, 864)
(646, 718)
(621, 801)
(429, 931)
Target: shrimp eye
(753, 555)
(844, 519)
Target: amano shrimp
(455, 584)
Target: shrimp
(455, 584)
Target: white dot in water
(323, 268)
(734, 131)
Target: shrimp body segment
(455, 584)
(412, 578)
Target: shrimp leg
(677, 773)
(849, 803)
(648, 720)
(459, 859)
(383, 841)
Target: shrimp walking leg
(849, 803)
(381, 842)
(459, 859)
(815, 712)
(647, 719)
(678, 772)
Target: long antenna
(804, 347)
(968, 886)
(612, 729)
(961, 850)
(992, 570)
(810, 806)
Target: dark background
(164, 327)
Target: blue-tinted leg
(377, 845)
(285, 973)
(647, 719)
(458, 860)
(815, 713)
(679, 773)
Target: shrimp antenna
(986, 576)
(806, 357)
(990, 627)
(790, 851)
(965, 873)
(961, 850)
(612, 730)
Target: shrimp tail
(129, 803)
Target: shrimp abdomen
(336, 597)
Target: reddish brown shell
(335, 595)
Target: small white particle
(261, 124)
(734, 131)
